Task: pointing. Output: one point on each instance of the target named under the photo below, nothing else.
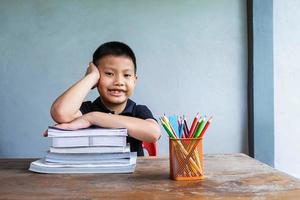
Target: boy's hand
(78, 123)
(93, 70)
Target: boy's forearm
(66, 106)
(144, 130)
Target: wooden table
(234, 176)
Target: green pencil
(171, 135)
(200, 128)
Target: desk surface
(232, 176)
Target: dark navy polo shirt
(131, 109)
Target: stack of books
(91, 150)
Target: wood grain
(231, 176)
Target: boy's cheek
(100, 88)
(129, 93)
(102, 83)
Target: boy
(113, 72)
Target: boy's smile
(117, 81)
(116, 92)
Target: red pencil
(205, 127)
(197, 126)
(194, 124)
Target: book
(87, 157)
(91, 150)
(89, 141)
(101, 149)
(57, 132)
(74, 162)
(87, 137)
(42, 166)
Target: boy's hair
(113, 48)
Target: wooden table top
(231, 176)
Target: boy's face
(117, 79)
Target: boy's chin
(115, 101)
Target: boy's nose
(119, 81)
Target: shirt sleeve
(143, 112)
(86, 107)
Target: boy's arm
(142, 129)
(66, 107)
(145, 130)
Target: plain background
(286, 85)
(191, 57)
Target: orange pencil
(194, 124)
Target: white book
(74, 162)
(57, 132)
(101, 149)
(41, 166)
(89, 141)
(86, 157)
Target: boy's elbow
(152, 134)
(156, 136)
(59, 116)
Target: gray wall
(263, 84)
(192, 56)
(286, 83)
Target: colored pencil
(205, 127)
(194, 124)
(186, 125)
(200, 128)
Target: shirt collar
(128, 108)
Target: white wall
(286, 85)
(191, 57)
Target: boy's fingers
(92, 64)
(91, 68)
(45, 134)
(63, 126)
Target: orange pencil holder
(186, 159)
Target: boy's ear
(136, 77)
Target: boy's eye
(127, 75)
(108, 73)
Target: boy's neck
(116, 108)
